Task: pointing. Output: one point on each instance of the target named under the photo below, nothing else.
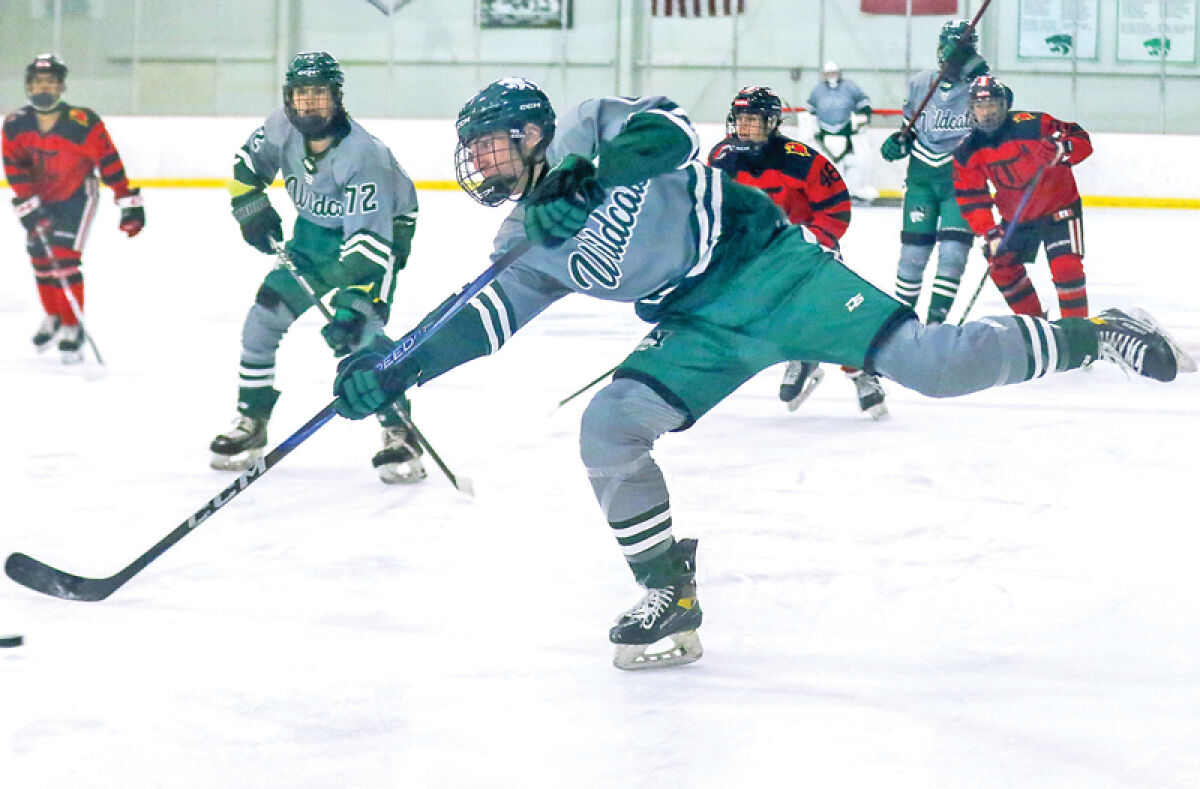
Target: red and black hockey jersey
(800, 180)
(1003, 159)
(54, 165)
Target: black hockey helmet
(949, 37)
(759, 101)
(46, 64)
(507, 105)
(990, 100)
(314, 69)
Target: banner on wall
(919, 7)
(388, 7)
(697, 8)
(1152, 31)
(544, 14)
(1058, 29)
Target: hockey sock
(1017, 289)
(1079, 337)
(256, 392)
(945, 288)
(1071, 284)
(908, 290)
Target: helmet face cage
(490, 160)
(762, 102)
(314, 69)
(46, 65)
(950, 34)
(990, 100)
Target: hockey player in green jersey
(618, 208)
(357, 210)
(931, 213)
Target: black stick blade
(39, 577)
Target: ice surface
(998, 590)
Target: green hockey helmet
(950, 35)
(314, 69)
(507, 105)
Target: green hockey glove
(362, 390)
(357, 316)
(559, 206)
(259, 221)
(896, 146)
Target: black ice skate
(670, 610)
(241, 446)
(1139, 345)
(46, 332)
(799, 381)
(870, 394)
(70, 343)
(399, 462)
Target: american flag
(697, 7)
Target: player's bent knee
(622, 422)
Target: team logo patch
(79, 116)
(917, 215)
(1022, 116)
(855, 302)
(798, 148)
(654, 339)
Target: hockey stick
(41, 577)
(584, 388)
(911, 123)
(462, 484)
(66, 286)
(1016, 217)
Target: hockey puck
(11, 641)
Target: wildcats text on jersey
(597, 261)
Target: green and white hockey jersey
(944, 122)
(359, 205)
(667, 222)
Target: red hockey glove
(1047, 152)
(133, 215)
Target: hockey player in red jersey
(1016, 152)
(810, 191)
(52, 152)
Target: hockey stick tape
(11, 641)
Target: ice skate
(46, 332)
(870, 394)
(799, 381)
(1139, 346)
(241, 446)
(399, 462)
(1183, 360)
(670, 613)
(70, 344)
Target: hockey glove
(133, 215)
(559, 206)
(896, 146)
(356, 315)
(259, 221)
(1047, 152)
(991, 241)
(362, 390)
(32, 213)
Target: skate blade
(817, 376)
(1184, 363)
(877, 412)
(238, 462)
(684, 648)
(72, 357)
(409, 472)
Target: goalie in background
(841, 109)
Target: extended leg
(619, 429)
(953, 247)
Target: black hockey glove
(991, 241)
(356, 315)
(133, 215)
(559, 206)
(259, 221)
(362, 390)
(32, 213)
(896, 146)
